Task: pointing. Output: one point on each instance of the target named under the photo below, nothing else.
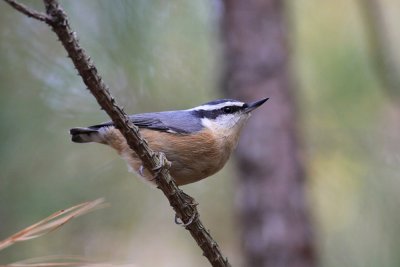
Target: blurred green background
(158, 55)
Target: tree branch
(29, 12)
(156, 163)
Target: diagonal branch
(155, 162)
(29, 12)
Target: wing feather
(159, 121)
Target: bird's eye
(228, 110)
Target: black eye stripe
(213, 114)
(230, 109)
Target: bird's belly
(182, 170)
(188, 170)
(192, 159)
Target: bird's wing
(150, 122)
(159, 121)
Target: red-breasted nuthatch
(197, 141)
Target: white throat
(226, 125)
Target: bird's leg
(162, 163)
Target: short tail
(85, 135)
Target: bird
(197, 141)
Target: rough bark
(271, 199)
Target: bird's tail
(85, 135)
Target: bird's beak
(252, 106)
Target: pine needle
(52, 222)
(63, 261)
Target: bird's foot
(179, 221)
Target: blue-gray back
(182, 121)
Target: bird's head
(225, 116)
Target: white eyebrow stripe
(218, 106)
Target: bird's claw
(179, 221)
(162, 163)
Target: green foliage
(350, 131)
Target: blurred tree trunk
(274, 213)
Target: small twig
(28, 11)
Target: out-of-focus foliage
(352, 133)
(158, 55)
